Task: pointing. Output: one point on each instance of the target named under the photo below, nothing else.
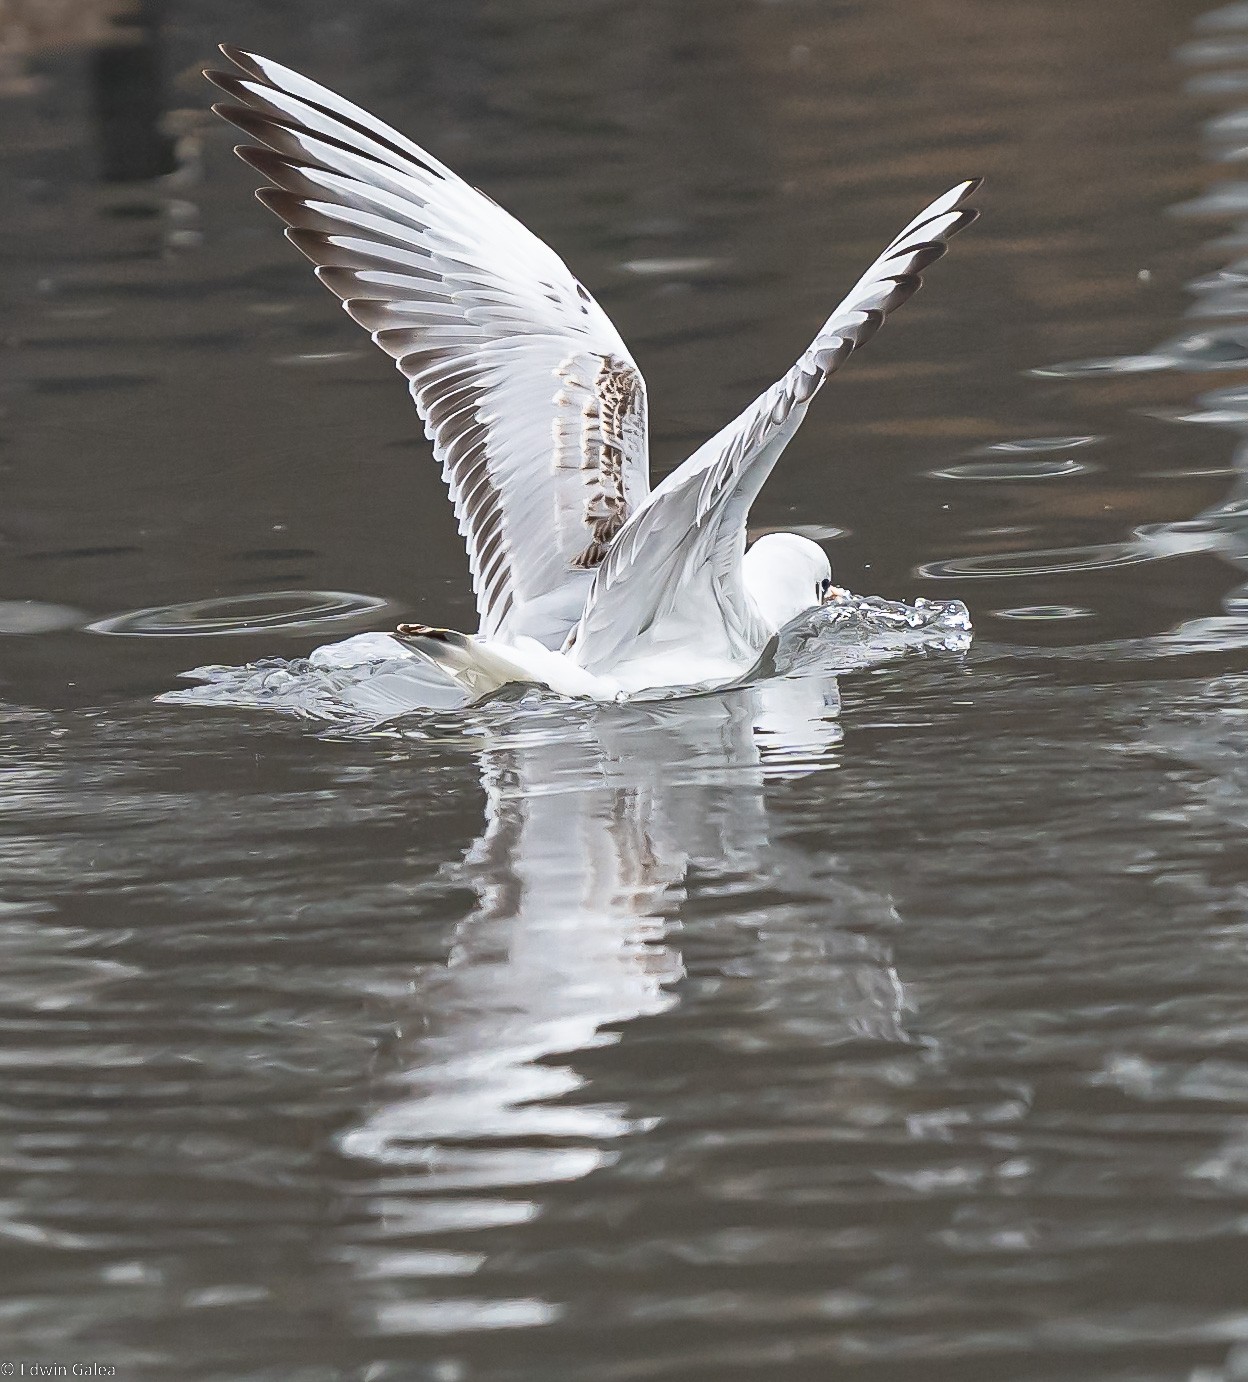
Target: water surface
(889, 1025)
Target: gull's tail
(477, 667)
(481, 667)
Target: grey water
(887, 1019)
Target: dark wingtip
(240, 57)
(873, 319)
(267, 162)
(344, 283)
(964, 215)
(229, 83)
(242, 118)
(227, 111)
(923, 256)
(904, 289)
(257, 124)
(281, 202)
(313, 244)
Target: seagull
(587, 581)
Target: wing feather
(536, 411)
(691, 529)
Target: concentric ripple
(1036, 614)
(267, 611)
(1036, 469)
(1049, 562)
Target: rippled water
(888, 1018)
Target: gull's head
(787, 575)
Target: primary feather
(690, 532)
(534, 406)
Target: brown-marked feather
(536, 411)
(708, 497)
(502, 347)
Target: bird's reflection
(595, 821)
(591, 823)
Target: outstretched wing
(691, 531)
(533, 404)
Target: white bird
(587, 581)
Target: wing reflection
(594, 819)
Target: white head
(786, 575)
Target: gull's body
(587, 581)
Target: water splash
(370, 680)
(861, 630)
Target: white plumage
(586, 581)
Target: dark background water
(735, 1039)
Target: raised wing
(691, 531)
(535, 408)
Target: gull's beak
(834, 594)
